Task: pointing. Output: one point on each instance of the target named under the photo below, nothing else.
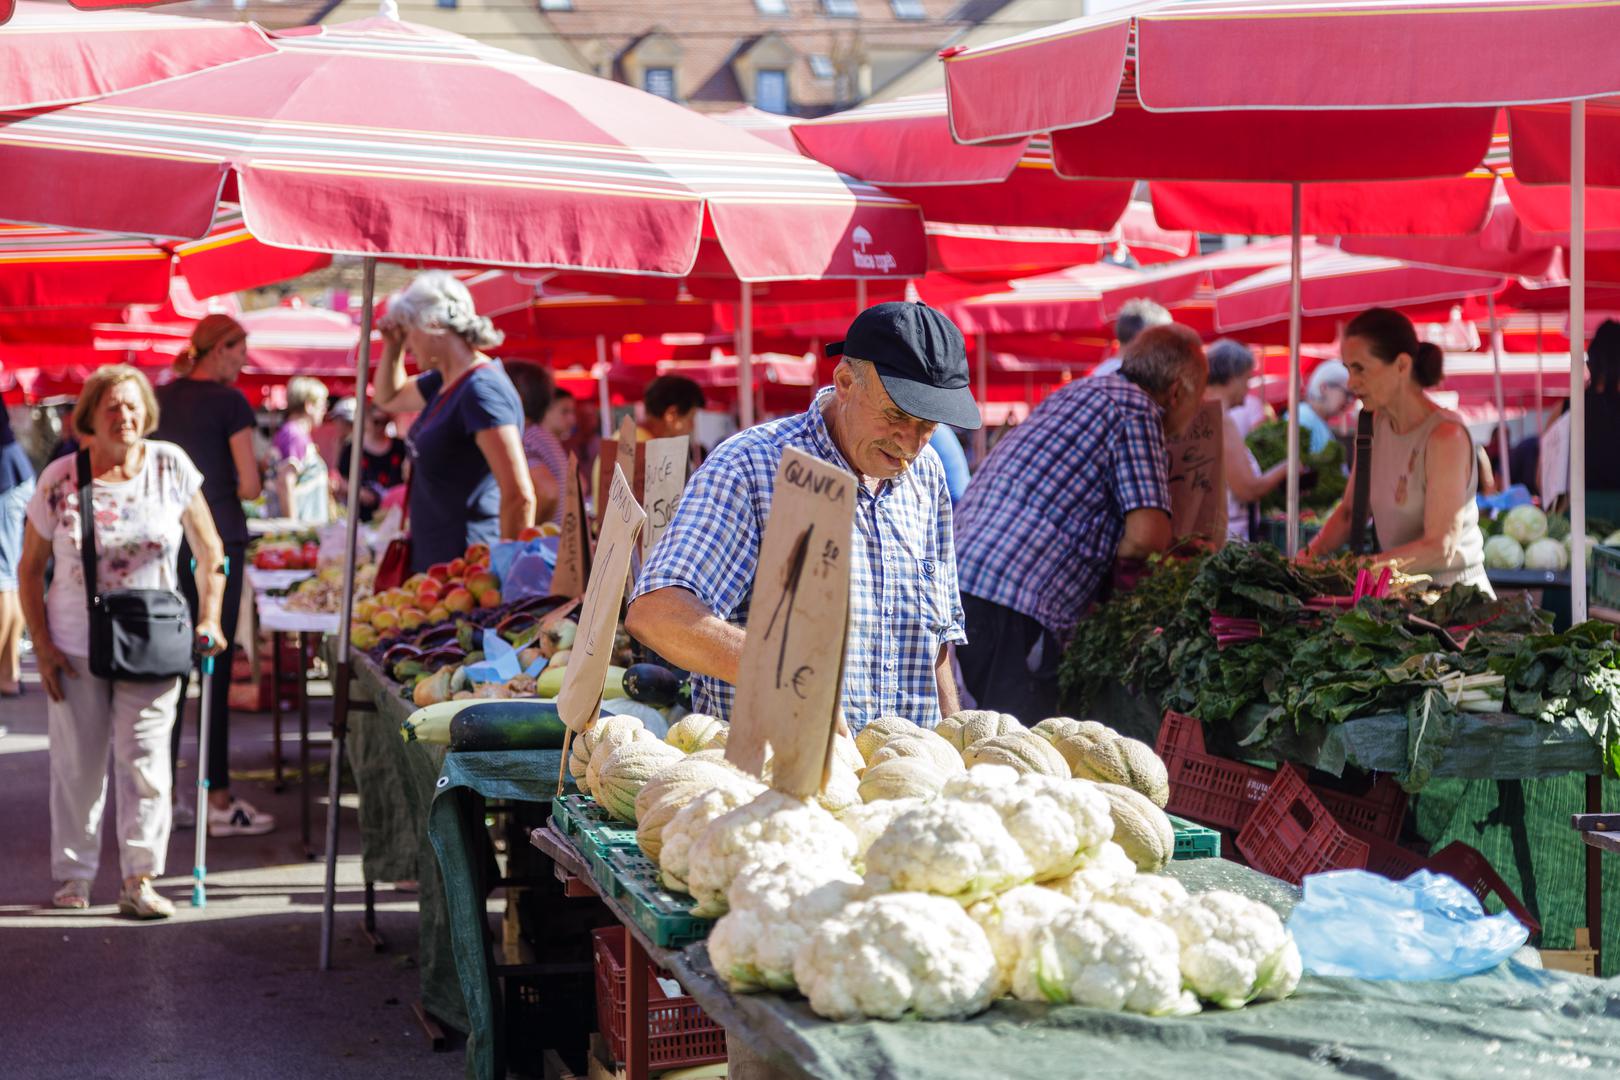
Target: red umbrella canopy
(57, 268)
(387, 139)
(905, 146)
(1236, 90)
(51, 55)
(1335, 286)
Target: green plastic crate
(1195, 841)
(583, 820)
(664, 916)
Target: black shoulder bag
(1358, 501)
(139, 635)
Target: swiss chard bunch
(1269, 443)
(1574, 675)
(1114, 643)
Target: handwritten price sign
(792, 670)
(661, 494)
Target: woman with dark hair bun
(1424, 470)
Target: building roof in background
(983, 21)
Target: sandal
(72, 895)
(141, 901)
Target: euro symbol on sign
(799, 678)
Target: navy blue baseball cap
(919, 354)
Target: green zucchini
(485, 724)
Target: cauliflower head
(1060, 824)
(1098, 878)
(1010, 920)
(674, 859)
(1107, 957)
(773, 910)
(1233, 949)
(948, 847)
(868, 820)
(1151, 895)
(774, 827)
(898, 955)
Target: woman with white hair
(469, 481)
(1327, 394)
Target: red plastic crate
(679, 1032)
(1210, 790)
(1291, 834)
(1468, 866)
(1388, 859)
(1379, 812)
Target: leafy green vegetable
(1269, 443)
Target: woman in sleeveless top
(1424, 471)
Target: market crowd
(965, 586)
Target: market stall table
(272, 615)
(1516, 1020)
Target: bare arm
(949, 700)
(249, 484)
(209, 552)
(678, 626)
(545, 492)
(1147, 532)
(503, 449)
(286, 481)
(53, 665)
(1246, 483)
(1450, 462)
(392, 392)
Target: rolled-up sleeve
(711, 547)
(945, 541)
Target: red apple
(439, 613)
(412, 618)
(439, 571)
(532, 532)
(459, 599)
(490, 598)
(482, 582)
(458, 567)
(478, 553)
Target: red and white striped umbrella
(905, 147)
(386, 139)
(51, 55)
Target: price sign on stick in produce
(574, 542)
(661, 493)
(583, 679)
(792, 669)
(1197, 479)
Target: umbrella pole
(745, 359)
(860, 295)
(1505, 470)
(340, 718)
(604, 400)
(1541, 401)
(981, 437)
(1577, 366)
(1296, 243)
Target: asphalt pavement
(230, 990)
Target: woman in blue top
(469, 482)
(16, 487)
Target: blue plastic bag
(1429, 926)
(501, 662)
(1501, 503)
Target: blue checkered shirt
(1039, 526)
(903, 601)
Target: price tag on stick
(581, 695)
(665, 478)
(574, 542)
(792, 670)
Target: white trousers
(134, 718)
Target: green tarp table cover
(1515, 1021)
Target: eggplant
(652, 684)
(402, 651)
(437, 635)
(448, 656)
(466, 632)
(517, 623)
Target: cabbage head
(1526, 524)
(1503, 553)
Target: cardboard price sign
(627, 454)
(581, 693)
(1197, 477)
(661, 494)
(792, 670)
(574, 542)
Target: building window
(447, 3)
(907, 9)
(556, 5)
(771, 7)
(844, 9)
(821, 66)
(659, 81)
(771, 90)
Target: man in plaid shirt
(1079, 486)
(904, 370)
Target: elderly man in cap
(903, 370)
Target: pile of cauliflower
(975, 864)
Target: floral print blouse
(138, 534)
